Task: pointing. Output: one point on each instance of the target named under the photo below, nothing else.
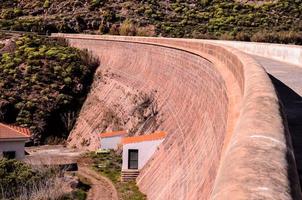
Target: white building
(12, 141)
(137, 151)
(111, 140)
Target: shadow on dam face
(226, 136)
(292, 106)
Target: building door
(133, 159)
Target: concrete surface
(289, 74)
(52, 155)
(111, 142)
(287, 80)
(227, 137)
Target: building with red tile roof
(11, 132)
(12, 140)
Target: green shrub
(67, 80)
(46, 4)
(15, 176)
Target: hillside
(43, 83)
(276, 21)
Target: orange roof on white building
(112, 134)
(12, 132)
(142, 138)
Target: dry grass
(127, 28)
(51, 186)
(51, 189)
(146, 31)
(288, 37)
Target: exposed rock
(114, 105)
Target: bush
(15, 176)
(241, 36)
(46, 4)
(146, 31)
(127, 28)
(226, 36)
(288, 37)
(114, 30)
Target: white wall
(286, 53)
(145, 151)
(17, 146)
(111, 142)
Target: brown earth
(101, 187)
(227, 138)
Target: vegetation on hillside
(110, 166)
(22, 181)
(272, 21)
(43, 84)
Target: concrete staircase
(129, 175)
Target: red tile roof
(11, 132)
(154, 136)
(112, 134)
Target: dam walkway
(287, 79)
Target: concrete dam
(227, 135)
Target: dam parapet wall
(286, 53)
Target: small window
(133, 159)
(9, 154)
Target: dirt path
(101, 187)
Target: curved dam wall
(226, 139)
